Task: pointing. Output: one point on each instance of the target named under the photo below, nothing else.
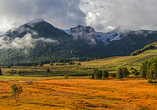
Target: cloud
(98, 13)
(60, 13)
(135, 14)
(64, 14)
(20, 43)
(128, 14)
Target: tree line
(147, 47)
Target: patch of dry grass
(128, 94)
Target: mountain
(91, 37)
(39, 41)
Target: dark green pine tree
(1, 72)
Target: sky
(102, 15)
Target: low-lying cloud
(20, 43)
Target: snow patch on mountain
(116, 38)
(90, 36)
(85, 33)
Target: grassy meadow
(44, 90)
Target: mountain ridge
(39, 41)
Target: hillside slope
(113, 63)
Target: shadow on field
(42, 104)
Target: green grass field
(80, 71)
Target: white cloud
(110, 27)
(128, 14)
(64, 14)
(26, 41)
(60, 13)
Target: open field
(85, 69)
(48, 90)
(61, 94)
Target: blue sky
(103, 15)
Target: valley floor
(67, 94)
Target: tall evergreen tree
(1, 72)
(119, 73)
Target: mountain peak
(31, 23)
(84, 29)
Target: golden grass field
(78, 94)
(49, 91)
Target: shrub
(51, 63)
(92, 76)
(105, 74)
(98, 74)
(48, 70)
(9, 66)
(113, 75)
(12, 72)
(40, 64)
(65, 77)
(93, 73)
(1, 72)
(71, 62)
(135, 72)
(79, 64)
(119, 73)
(150, 81)
(125, 72)
(131, 68)
(143, 73)
(34, 64)
(15, 91)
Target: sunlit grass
(128, 94)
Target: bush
(1, 72)
(150, 81)
(103, 77)
(71, 62)
(48, 70)
(105, 74)
(113, 75)
(131, 68)
(98, 74)
(135, 72)
(16, 91)
(9, 66)
(51, 63)
(13, 72)
(79, 64)
(40, 64)
(92, 76)
(143, 73)
(94, 73)
(34, 64)
(65, 77)
(125, 72)
(119, 73)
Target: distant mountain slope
(39, 41)
(132, 41)
(91, 37)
